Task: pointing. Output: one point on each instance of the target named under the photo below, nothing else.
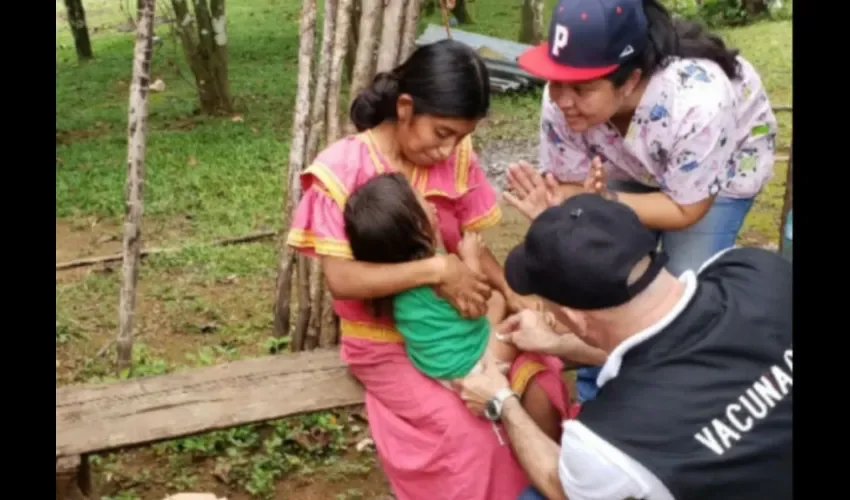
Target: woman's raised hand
(467, 290)
(530, 192)
(597, 180)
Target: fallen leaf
(222, 472)
(106, 238)
(157, 86)
(363, 444)
(209, 327)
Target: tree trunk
(409, 30)
(318, 128)
(531, 22)
(755, 7)
(364, 60)
(460, 13)
(353, 40)
(303, 317)
(137, 127)
(340, 49)
(329, 333)
(296, 164)
(328, 326)
(79, 29)
(206, 52)
(390, 35)
(311, 338)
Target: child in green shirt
(387, 221)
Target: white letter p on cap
(562, 35)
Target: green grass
(216, 177)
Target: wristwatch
(493, 409)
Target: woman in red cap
(654, 112)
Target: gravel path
(495, 156)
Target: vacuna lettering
(741, 415)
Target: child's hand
(470, 247)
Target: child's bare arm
(469, 251)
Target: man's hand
(478, 388)
(529, 192)
(529, 331)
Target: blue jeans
(530, 493)
(687, 249)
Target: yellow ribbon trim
(332, 184)
(331, 247)
(524, 374)
(489, 219)
(369, 331)
(462, 165)
(366, 138)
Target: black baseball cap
(579, 254)
(588, 39)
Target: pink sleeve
(317, 226)
(699, 160)
(559, 152)
(478, 208)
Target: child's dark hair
(668, 37)
(445, 78)
(386, 224)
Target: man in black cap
(695, 396)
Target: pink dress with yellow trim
(429, 444)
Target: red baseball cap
(588, 39)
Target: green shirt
(440, 342)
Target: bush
(721, 13)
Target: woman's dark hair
(386, 224)
(669, 37)
(445, 78)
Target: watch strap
(503, 394)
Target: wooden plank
(66, 475)
(94, 418)
(73, 478)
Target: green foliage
(255, 457)
(726, 13)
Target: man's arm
(573, 350)
(529, 332)
(536, 453)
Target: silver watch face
(492, 410)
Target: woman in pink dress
(417, 120)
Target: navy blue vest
(706, 403)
